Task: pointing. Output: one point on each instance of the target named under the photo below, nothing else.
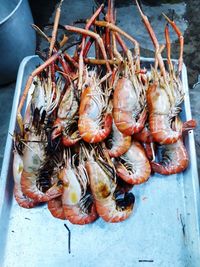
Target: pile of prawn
(95, 127)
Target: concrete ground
(186, 14)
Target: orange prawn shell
(88, 126)
(117, 151)
(103, 190)
(124, 101)
(71, 198)
(85, 101)
(137, 156)
(144, 136)
(159, 109)
(73, 214)
(56, 208)
(29, 189)
(157, 99)
(22, 199)
(68, 141)
(178, 162)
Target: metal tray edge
(8, 148)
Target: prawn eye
(126, 202)
(150, 81)
(35, 83)
(59, 183)
(26, 128)
(120, 75)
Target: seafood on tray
(96, 127)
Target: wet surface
(185, 13)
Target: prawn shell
(89, 119)
(68, 141)
(159, 121)
(29, 188)
(124, 105)
(103, 189)
(56, 208)
(144, 136)
(120, 143)
(138, 159)
(72, 196)
(177, 160)
(161, 131)
(119, 149)
(75, 215)
(22, 200)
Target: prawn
(55, 206)
(159, 120)
(94, 123)
(120, 143)
(21, 199)
(129, 107)
(174, 159)
(77, 201)
(67, 118)
(35, 142)
(133, 166)
(165, 95)
(39, 181)
(103, 187)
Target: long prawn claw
(181, 41)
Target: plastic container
(17, 38)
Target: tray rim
(9, 142)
